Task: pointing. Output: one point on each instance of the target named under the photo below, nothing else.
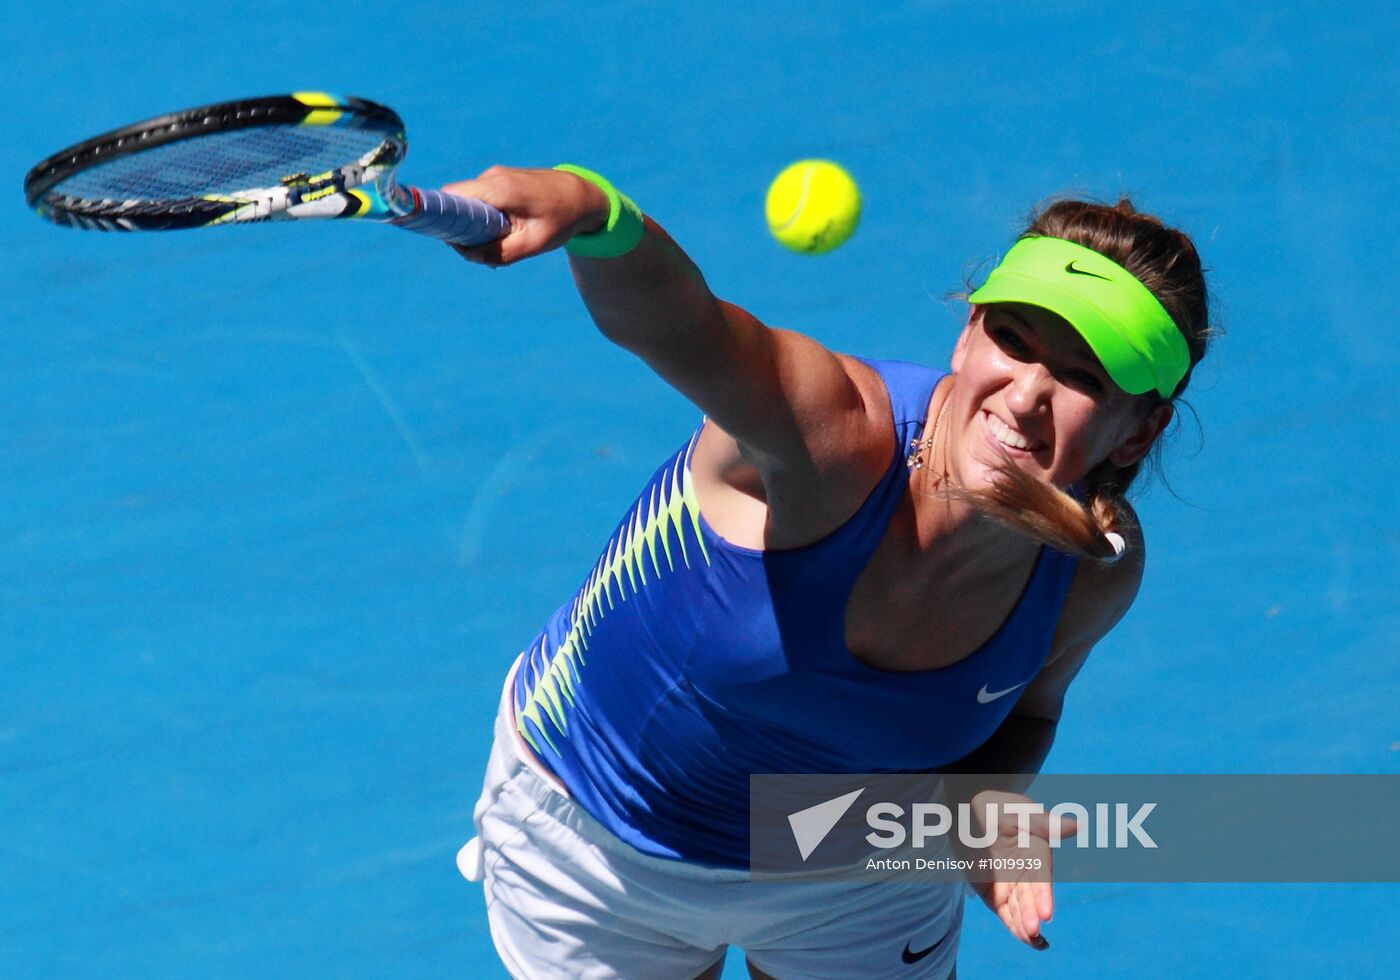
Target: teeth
(1007, 436)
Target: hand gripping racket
(304, 155)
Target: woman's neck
(950, 532)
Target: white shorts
(567, 898)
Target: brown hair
(1165, 261)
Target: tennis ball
(813, 206)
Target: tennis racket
(304, 155)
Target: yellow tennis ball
(813, 206)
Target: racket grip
(460, 220)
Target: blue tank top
(684, 663)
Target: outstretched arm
(793, 405)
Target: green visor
(1133, 337)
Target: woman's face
(1030, 390)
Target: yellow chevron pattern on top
(660, 516)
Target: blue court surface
(279, 505)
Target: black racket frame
(190, 212)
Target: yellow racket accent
(327, 117)
(319, 193)
(363, 198)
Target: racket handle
(460, 220)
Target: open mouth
(1008, 439)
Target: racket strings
(223, 163)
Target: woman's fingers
(1006, 915)
(485, 189)
(1021, 906)
(1044, 899)
(1030, 916)
(1040, 826)
(494, 185)
(1019, 912)
(544, 207)
(1027, 924)
(468, 188)
(1013, 903)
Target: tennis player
(811, 583)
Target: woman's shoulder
(893, 388)
(1101, 593)
(1099, 596)
(792, 505)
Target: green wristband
(623, 231)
